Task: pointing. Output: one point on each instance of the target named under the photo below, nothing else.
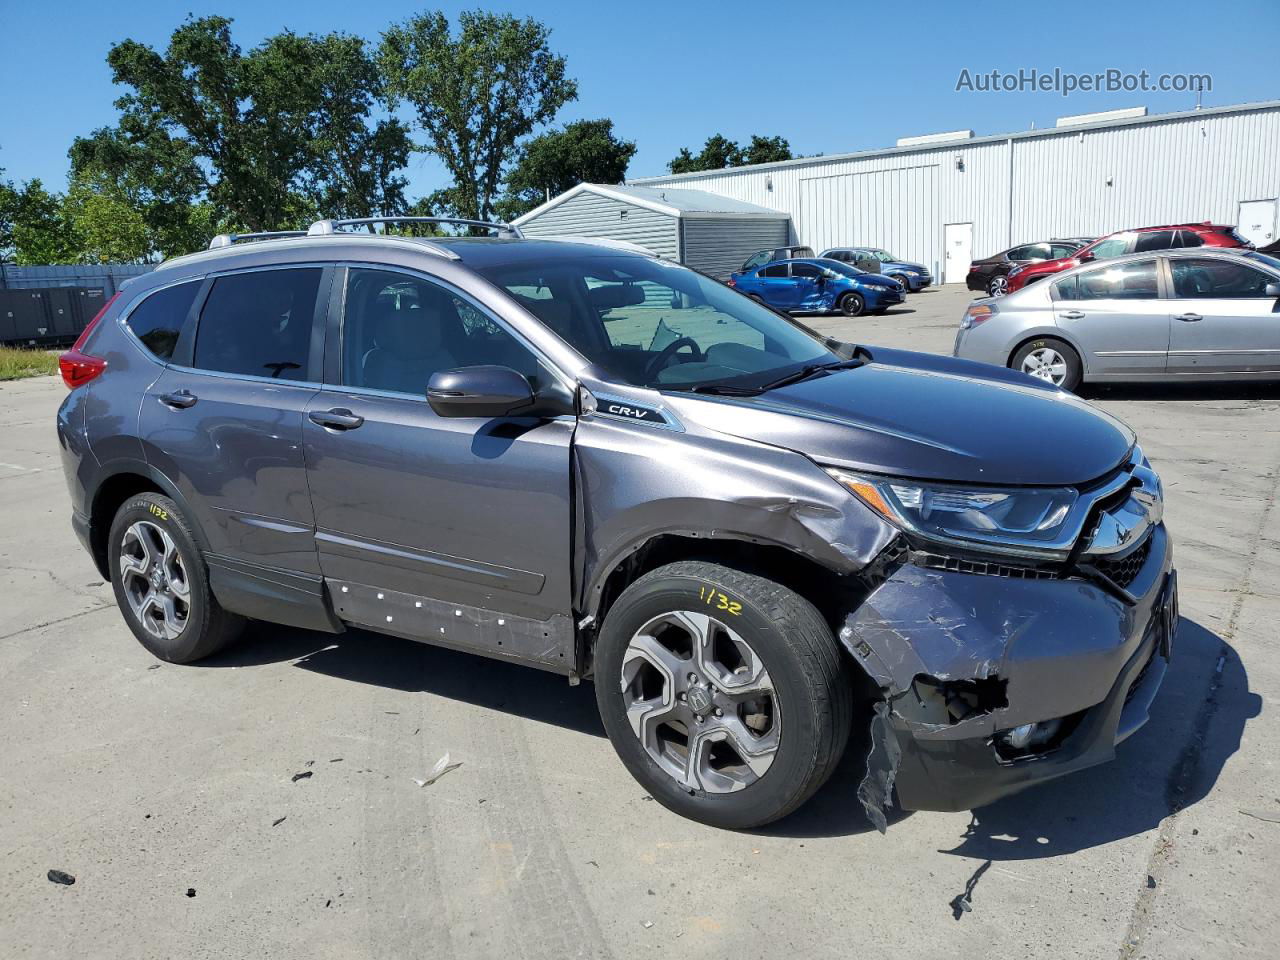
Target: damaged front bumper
(963, 658)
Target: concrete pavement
(147, 781)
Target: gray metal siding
(107, 276)
(1191, 167)
(718, 246)
(591, 215)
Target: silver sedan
(1195, 314)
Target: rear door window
(259, 324)
(1189, 238)
(158, 320)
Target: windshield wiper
(725, 390)
(811, 370)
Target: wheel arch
(1050, 333)
(120, 481)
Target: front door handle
(1189, 317)
(339, 419)
(1073, 314)
(180, 400)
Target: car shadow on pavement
(380, 660)
(1153, 772)
(1233, 390)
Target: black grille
(1124, 570)
(1142, 675)
(934, 561)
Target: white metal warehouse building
(709, 232)
(975, 196)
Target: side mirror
(1085, 257)
(1273, 290)
(487, 391)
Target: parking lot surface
(171, 793)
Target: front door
(810, 288)
(1115, 315)
(1257, 222)
(957, 244)
(1222, 319)
(455, 530)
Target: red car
(1131, 241)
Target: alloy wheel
(154, 579)
(998, 286)
(1047, 364)
(701, 702)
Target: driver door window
(1112, 246)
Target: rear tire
(161, 582)
(852, 304)
(1049, 359)
(765, 734)
(998, 286)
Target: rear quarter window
(158, 320)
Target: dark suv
(601, 464)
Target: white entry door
(957, 243)
(1258, 221)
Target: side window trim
(184, 352)
(333, 351)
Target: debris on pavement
(442, 767)
(301, 776)
(962, 903)
(647, 924)
(276, 823)
(191, 891)
(1151, 882)
(59, 876)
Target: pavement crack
(54, 623)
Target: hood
(904, 265)
(933, 418)
(881, 278)
(1050, 266)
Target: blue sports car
(818, 286)
(913, 276)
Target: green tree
(766, 150)
(8, 213)
(475, 94)
(585, 151)
(108, 227)
(720, 152)
(41, 230)
(269, 137)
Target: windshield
(885, 255)
(655, 324)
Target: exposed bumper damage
(963, 659)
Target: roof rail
(324, 227)
(227, 239)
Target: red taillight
(79, 368)
(731, 282)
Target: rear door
(455, 530)
(224, 420)
(1222, 320)
(1116, 315)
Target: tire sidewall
(1074, 370)
(851, 300)
(742, 808)
(164, 513)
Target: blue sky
(831, 77)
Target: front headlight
(1011, 520)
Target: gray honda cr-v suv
(595, 462)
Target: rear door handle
(1189, 317)
(179, 400)
(1073, 314)
(339, 419)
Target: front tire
(723, 693)
(161, 582)
(852, 304)
(1049, 359)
